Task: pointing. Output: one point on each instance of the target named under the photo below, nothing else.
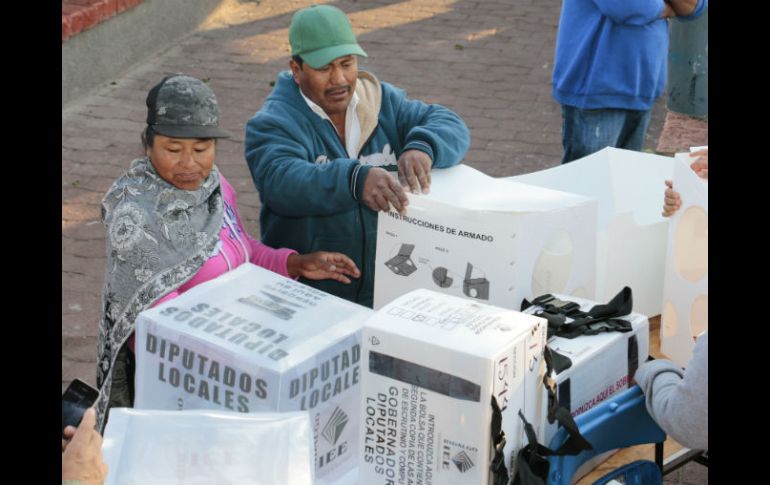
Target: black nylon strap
(621, 304)
(560, 362)
(600, 318)
(576, 442)
(549, 383)
(633, 358)
(531, 463)
(499, 471)
(565, 393)
(592, 326)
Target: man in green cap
(321, 148)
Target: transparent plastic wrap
(146, 447)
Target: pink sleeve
(168, 297)
(276, 260)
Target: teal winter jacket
(310, 187)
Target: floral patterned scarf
(158, 237)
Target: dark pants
(122, 391)
(586, 131)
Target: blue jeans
(586, 131)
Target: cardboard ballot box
(686, 284)
(602, 364)
(488, 239)
(631, 240)
(431, 365)
(252, 340)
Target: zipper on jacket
(362, 279)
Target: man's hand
(671, 200)
(701, 163)
(414, 171)
(82, 457)
(682, 8)
(67, 435)
(668, 12)
(381, 191)
(322, 265)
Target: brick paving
(680, 132)
(489, 60)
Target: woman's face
(183, 162)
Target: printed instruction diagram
(475, 287)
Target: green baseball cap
(322, 33)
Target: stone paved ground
(680, 132)
(489, 60)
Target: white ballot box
(146, 447)
(631, 243)
(488, 239)
(250, 341)
(686, 285)
(601, 365)
(432, 365)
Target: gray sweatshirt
(679, 401)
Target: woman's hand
(322, 265)
(671, 200)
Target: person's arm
(429, 129)
(632, 12)
(688, 9)
(275, 260)
(676, 400)
(292, 186)
(82, 457)
(289, 182)
(287, 262)
(668, 12)
(323, 265)
(683, 8)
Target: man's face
(330, 87)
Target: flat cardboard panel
(487, 239)
(685, 290)
(631, 241)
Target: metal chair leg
(680, 458)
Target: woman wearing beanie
(172, 223)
